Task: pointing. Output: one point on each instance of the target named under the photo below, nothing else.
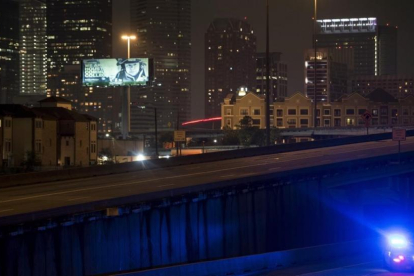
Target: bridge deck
(67, 197)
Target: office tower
(163, 30)
(9, 51)
(399, 86)
(33, 47)
(359, 34)
(278, 75)
(78, 30)
(230, 61)
(331, 75)
(388, 49)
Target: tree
(246, 122)
(32, 160)
(258, 137)
(275, 135)
(231, 136)
(246, 131)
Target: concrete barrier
(267, 262)
(75, 173)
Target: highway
(48, 196)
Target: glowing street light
(129, 38)
(126, 95)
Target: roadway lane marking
(273, 169)
(152, 180)
(8, 210)
(166, 185)
(123, 184)
(78, 198)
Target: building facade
(163, 29)
(9, 50)
(230, 61)
(57, 136)
(33, 47)
(297, 111)
(278, 75)
(79, 30)
(399, 86)
(331, 76)
(375, 47)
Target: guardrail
(76, 173)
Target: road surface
(48, 196)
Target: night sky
(290, 30)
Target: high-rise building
(78, 30)
(375, 47)
(278, 75)
(388, 50)
(33, 47)
(230, 61)
(331, 75)
(9, 50)
(399, 86)
(163, 30)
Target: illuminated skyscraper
(375, 47)
(33, 46)
(278, 76)
(9, 51)
(163, 30)
(230, 61)
(78, 30)
(331, 78)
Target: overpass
(201, 211)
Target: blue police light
(398, 241)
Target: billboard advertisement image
(115, 72)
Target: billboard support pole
(126, 95)
(126, 99)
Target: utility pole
(314, 82)
(267, 78)
(156, 132)
(177, 128)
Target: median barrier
(263, 263)
(75, 173)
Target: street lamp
(126, 95)
(129, 38)
(314, 68)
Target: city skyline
(291, 31)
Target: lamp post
(126, 95)
(315, 60)
(267, 78)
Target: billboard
(116, 72)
